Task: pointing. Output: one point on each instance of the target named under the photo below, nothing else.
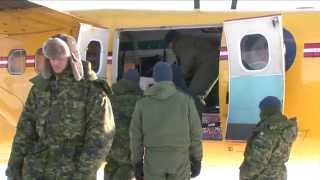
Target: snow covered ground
(303, 170)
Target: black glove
(195, 168)
(138, 171)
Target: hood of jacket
(161, 90)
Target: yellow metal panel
(13, 92)
(34, 20)
(117, 19)
(303, 80)
(223, 88)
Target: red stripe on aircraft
(312, 54)
(3, 62)
(109, 58)
(30, 60)
(223, 53)
(311, 45)
(311, 50)
(30, 57)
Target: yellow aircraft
(115, 40)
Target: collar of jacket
(64, 76)
(43, 84)
(40, 82)
(161, 90)
(276, 121)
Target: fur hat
(62, 46)
(56, 48)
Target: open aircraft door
(93, 45)
(256, 67)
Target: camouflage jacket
(269, 148)
(64, 131)
(126, 93)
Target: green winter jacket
(64, 132)
(268, 149)
(165, 120)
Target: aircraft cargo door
(256, 64)
(93, 44)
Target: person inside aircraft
(178, 79)
(39, 60)
(268, 148)
(165, 131)
(66, 127)
(198, 59)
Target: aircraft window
(93, 55)
(17, 61)
(254, 52)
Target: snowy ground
(303, 170)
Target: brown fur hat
(63, 46)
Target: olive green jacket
(165, 118)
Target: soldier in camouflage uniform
(66, 127)
(268, 149)
(126, 93)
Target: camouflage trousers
(118, 171)
(271, 173)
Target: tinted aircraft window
(93, 55)
(17, 61)
(254, 52)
